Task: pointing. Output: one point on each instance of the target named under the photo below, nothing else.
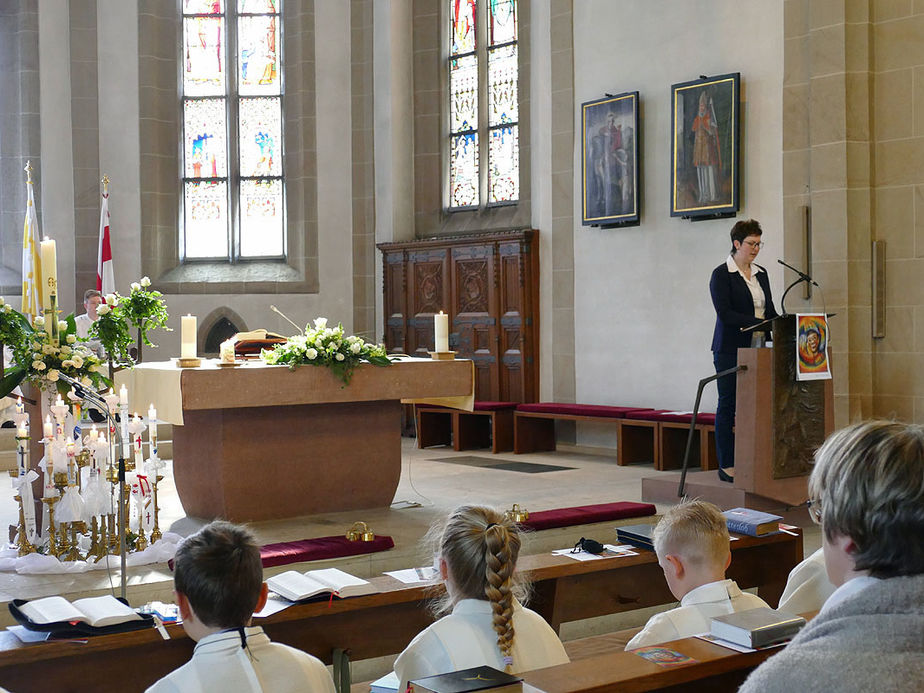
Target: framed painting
(705, 121)
(609, 161)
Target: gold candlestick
(113, 535)
(53, 549)
(22, 541)
(156, 534)
(74, 553)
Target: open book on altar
(93, 614)
(297, 586)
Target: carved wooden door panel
(513, 336)
(474, 326)
(428, 294)
(395, 281)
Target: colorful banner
(812, 347)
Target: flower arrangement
(321, 345)
(142, 309)
(39, 360)
(145, 309)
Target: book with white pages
(97, 612)
(298, 586)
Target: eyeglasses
(814, 509)
(755, 244)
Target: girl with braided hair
(477, 552)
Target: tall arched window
(484, 148)
(233, 185)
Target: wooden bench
(643, 435)
(384, 623)
(489, 425)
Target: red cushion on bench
(587, 514)
(317, 549)
(576, 409)
(494, 406)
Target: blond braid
(499, 566)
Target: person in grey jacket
(867, 491)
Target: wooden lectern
(780, 421)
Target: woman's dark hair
(220, 572)
(743, 229)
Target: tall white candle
(48, 430)
(188, 337)
(441, 331)
(152, 429)
(123, 396)
(49, 257)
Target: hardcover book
(751, 522)
(89, 616)
(297, 586)
(476, 679)
(636, 535)
(757, 627)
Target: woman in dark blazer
(741, 295)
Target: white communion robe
(466, 638)
(808, 586)
(219, 663)
(696, 610)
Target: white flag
(31, 265)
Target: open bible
(90, 615)
(297, 586)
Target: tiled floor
(437, 479)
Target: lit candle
(441, 331)
(188, 337)
(123, 396)
(22, 447)
(152, 429)
(49, 276)
(19, 407)
(48, 430)
(59, 402)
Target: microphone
(81, 390)
(801, 274)
(286, 317)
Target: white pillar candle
(152, 429)
(188, 337)
(48, 255)
(441, 332)
(123, 396)
(22, 448)
(48, 430)
(94, 434)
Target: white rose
(48, 349)
(62, 325)
(66, 350)
(110, 300)
(67, 363)
(103, 309)
(312, 354)
(320, 323)
(38, 365)
(71, 338)
(7, 308)
(52, 375)
(356, 347)
(77, 361)
(136, 286)
(39, 321)
(340, 356)
(145, 281)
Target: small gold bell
(517, 514)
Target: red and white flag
(105, 275)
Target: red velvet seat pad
(317, 549)
(494, 406)
(599, 410)
(587, 514)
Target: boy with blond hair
(692, 545)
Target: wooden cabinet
(489, 286)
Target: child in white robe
(478, 551)
(692, 545)
(219, 584)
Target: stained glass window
(233, 185)
(484, 165)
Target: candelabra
(53, 548)
(22, 541)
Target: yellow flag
(31, 264)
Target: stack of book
(756, 628)
(636, 535)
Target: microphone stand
(96, 400)
(803, 277)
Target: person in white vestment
(692, 544)
(478, 550)
(91, 301)
(218, 578)
(808, 586)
